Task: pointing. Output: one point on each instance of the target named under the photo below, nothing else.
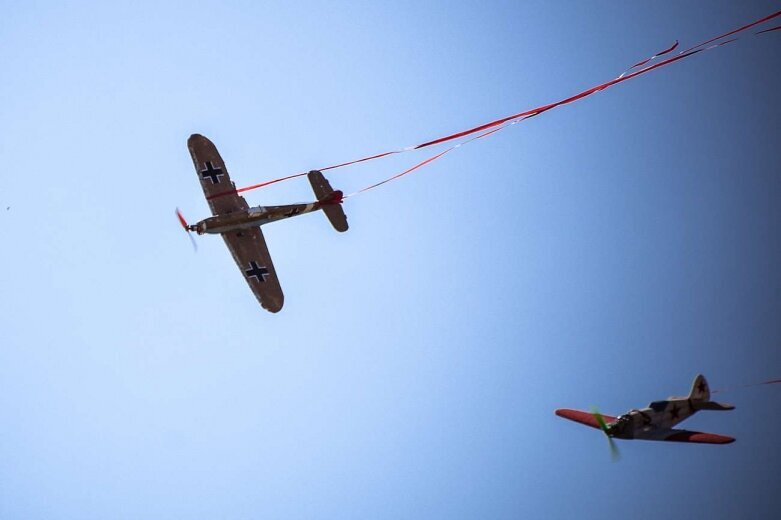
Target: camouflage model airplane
(239, 224)
(656, 422)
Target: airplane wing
(698, 437)
(581, 417)
(247, 246)
(249, 250)
(214, 177)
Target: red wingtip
(699, 437)
(586, 418)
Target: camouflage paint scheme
(655, 423)
(239, 224)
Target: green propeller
(614, 453)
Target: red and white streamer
(494, 126)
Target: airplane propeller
(615, 455)
(187, 228)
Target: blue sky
(602, 253)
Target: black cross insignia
(256, 271)
(674, 412)
(702, 387)
(212, 173)
(292, 213)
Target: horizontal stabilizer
(329, 200)
(713, 405)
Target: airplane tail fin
(329, 200)
(700, 389)
(700, 396)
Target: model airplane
(239, 224)
(656, 422)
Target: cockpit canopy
(620, 425)
(658, 406)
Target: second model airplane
(655, 423)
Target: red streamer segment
(771, 382)
(545, 108)
(735, 31)
(254, 186)
(435, 157)
(405, 172)
(361, 160)
(768, 30)
(499, 124)
(662, 53)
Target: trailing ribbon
(499, 124)
(771, 382)
(662, 53)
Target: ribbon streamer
(722, 390)
(768, 30)
(499, 124)
(662, 53)
(434, 158)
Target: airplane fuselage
(658, 417)
(252, 217)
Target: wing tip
(723, 439)
(198, 139)
(700, 437)
(273, 306)
(571, 414)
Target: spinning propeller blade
(615, 455)
(186, 227)
(182, 221)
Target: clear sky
(601, 254)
